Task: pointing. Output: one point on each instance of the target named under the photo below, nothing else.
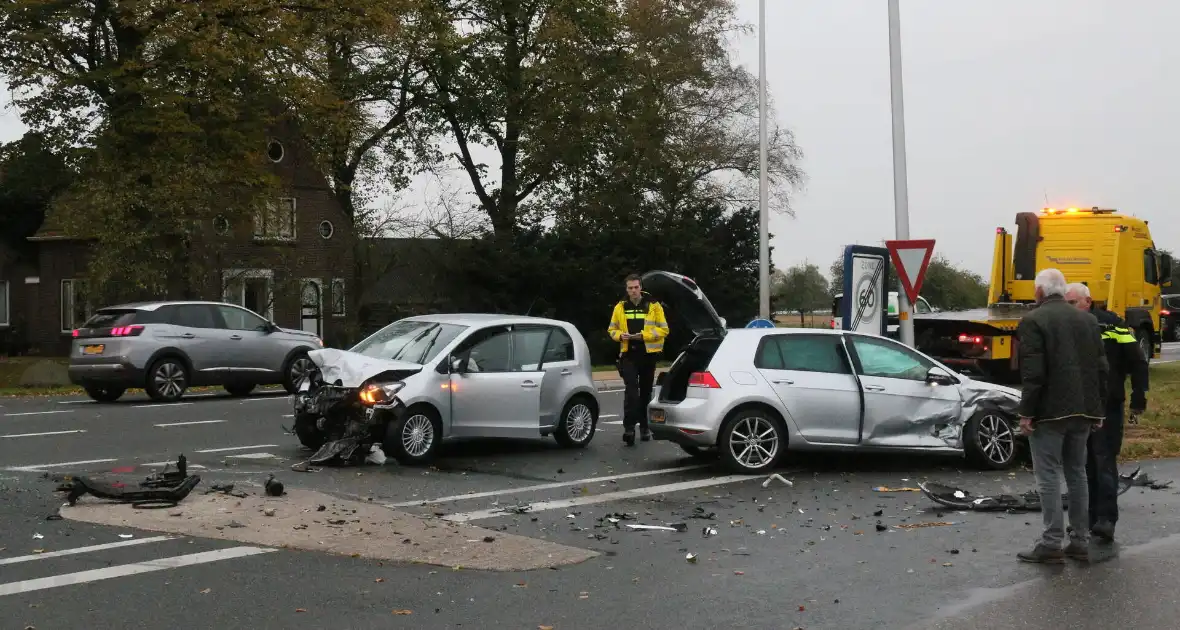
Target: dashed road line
(20, 435)
(253, 456)
(151, 405)
(36, 413)
(39, 467)
(77, 550)
(182, 424)
(236, 448)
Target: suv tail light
(127, 331)
(703, 379)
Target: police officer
(1125, 356)
(638, 325)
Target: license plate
(93, 349)
(657, 415)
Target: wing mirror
(451, 365)
(939, 376)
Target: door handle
(188, 336)
(874, 388)
(235, 337)
(783, 381)
(566, 372)
(529, 384)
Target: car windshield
(411, 340)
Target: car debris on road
(959, 499)
(161, 490)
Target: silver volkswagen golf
(167, 347)
(753, 394)
(424, 379)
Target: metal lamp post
(901, 200)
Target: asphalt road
(808, 555)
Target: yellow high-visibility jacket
(655, 327)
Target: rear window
(110, 318)
(1173, 302)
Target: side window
(768, 355)
(195, 316)
(560, 347)
(1150, 272)
(241, 319)
(922, 306)
(528, 346)
(889, 360)
(492, 354)
(813, 353)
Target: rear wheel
(298, 369)
(239, 389)
(989, 440)
(309, 434)
(414, 438)
(752, 441)
(577, 424)
(105, 393)
(1146, 342)
(167, 380)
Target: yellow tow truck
(1111, 253)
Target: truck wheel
(989, 440)
(1146, 342)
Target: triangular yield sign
(911, 258)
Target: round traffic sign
(760, 323)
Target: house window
(73, 309)
(274, 151)
(276, 220)
(4, 314)
(326, 229)
(338, 301)
(251, 289)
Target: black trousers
(638, 370)
(1102, 470)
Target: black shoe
(1042, 555)
(1077, 550)
(1104, 531)
(629, 438)
(645, 435)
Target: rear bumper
(119, 374)
(689, 422)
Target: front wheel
(308, 431)
(752, 441)
(578, 422)
(414, 438)
(105, 393)
(989, 440)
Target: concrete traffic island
(313, 521)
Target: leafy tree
(801, 289)
(32, 173)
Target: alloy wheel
(754, 442)
(169, 379)
(300, 368)
(417, 435)
(995, 439)
(579, 422)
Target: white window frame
(338, 284)
(73, 307)
(274, 210)
(230, 276)
(6, 313)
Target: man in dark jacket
(1063, 372)
(1126, 358)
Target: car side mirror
(939, 376)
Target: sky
(1009, 104)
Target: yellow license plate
(93, 349)
(657, 415)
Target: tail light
(703, 379)
(970, 339)
(1164, 311)
(127, 331)
(75, 332)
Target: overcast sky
(1007, 102)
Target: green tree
(32, 174)
(801, 289)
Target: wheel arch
(757, 405)
(170, 352)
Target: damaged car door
(812, 377)
(903, 406)
(491, 395)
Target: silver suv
(166, 347)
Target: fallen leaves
(402, 611)
(300, 610)
(206, 591)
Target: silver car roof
(151, 306)
(486, 319)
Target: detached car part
(959, 499)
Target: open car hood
(353, 369)
(685, 299)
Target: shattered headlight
(378, 393)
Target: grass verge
(1158, 433)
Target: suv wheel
(167, 380)
(105, 393)
(297, 370)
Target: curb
(609, 384)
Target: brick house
(293, 265)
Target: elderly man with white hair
(1125, 357)
(1063, 372)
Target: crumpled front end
(977, 395)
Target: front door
(311, 306)
(491, 396)
(901, 408)
(813, 378)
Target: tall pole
(901, 197)
(763, 213)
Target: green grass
(1158, 433)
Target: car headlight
(378, 393)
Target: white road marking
(40, 466)
(263, 398)
(76, 550)
(610, 391)
(37, 413)
(546, 486)
(16, 435)
(123, 570)
(289, 415)
(254, 456)
(176, 404)
(173, 464)
(77, 402)
(559, 504)
(181, 424)
(613, 422)
(607, 415)
(237, 448)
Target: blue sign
(760, 323)
(865, 299)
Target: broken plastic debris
(888, 489)
(126, 535)
(776, 477)
(376, 455)
(662, 528)
(691, 557)
(37, 536)
(960, 495)
(921, 525)
(709, 531)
